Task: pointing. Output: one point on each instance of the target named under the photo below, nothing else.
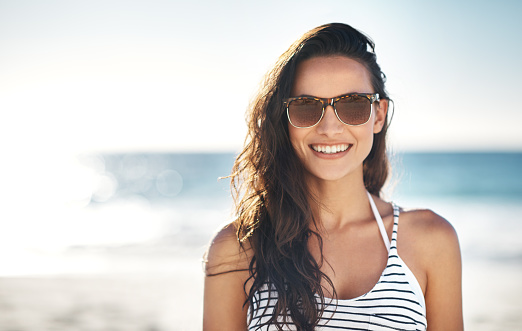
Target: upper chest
(355, 258)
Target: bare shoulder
(430, 235)
(428, 225)
(433, 248)
(225, 253)
(429, 245)
(226, 270)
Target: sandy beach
(491, 294)
(138, 301)
(171, 300)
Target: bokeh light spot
(169, 183)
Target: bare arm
(224, 294)
(444, 276)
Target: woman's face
(328, 77)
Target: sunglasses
(351, 109)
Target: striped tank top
(396, 302)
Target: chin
(329, 176)
(335, 173)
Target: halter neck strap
(379, 222)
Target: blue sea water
(170, 204)
(461, 175)
(162, 178)
(479, 193)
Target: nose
(329, 124)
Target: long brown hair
(272, 200)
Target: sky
(118, 76)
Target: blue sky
(84, 76)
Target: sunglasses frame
(372, 97)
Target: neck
(340, 202)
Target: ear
(381, 109)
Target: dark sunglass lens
(305, 112)
(354, 110)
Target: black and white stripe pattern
(395, 303)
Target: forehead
(331, 76)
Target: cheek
(297, 139)
(367, 130)
(364, 137)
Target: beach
(172, 301)
(145, 299)
(491, 293)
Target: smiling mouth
(330, 149)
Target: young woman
(314, 247)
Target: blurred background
(118, 117)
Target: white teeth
(330, 149)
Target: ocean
(169, 204)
